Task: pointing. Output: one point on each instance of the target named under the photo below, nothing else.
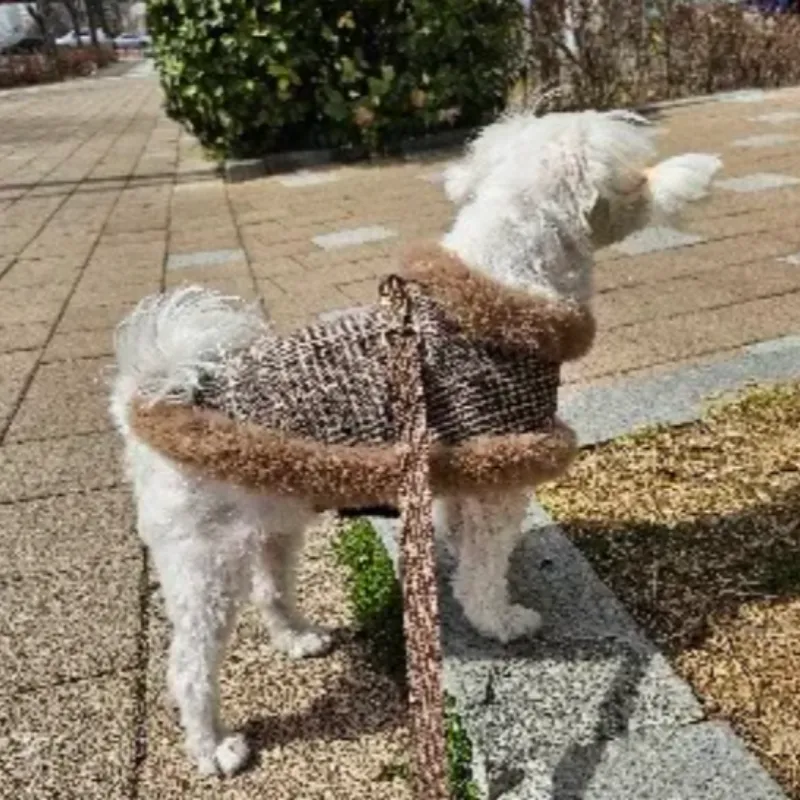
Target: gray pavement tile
(24, 336)
(15, 369)
(69, 584)
(70, 741)
(80, 344)
(57, 466)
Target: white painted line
(765, 140)
(350, 237)
(757, 182)
(306, 178)
(204, 258)
(655, 238)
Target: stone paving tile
(282, 305)
(70, 741)
(70, 571)
(658, 341)
(713, 255)
(59, 466)
(236, 272)
(15, 369)
(80, 344)
(730, 285)
(32, 303)
(189, 243)
(29, 336)
(95, 317)
(64, 398)
(104, 294)
(36, 272)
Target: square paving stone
(71, 741)
(69, 585)
(58, 466)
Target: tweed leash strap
(418, 559)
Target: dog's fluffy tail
(681, 180)
(168, 341)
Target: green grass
(377, 604)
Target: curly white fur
(537, 196)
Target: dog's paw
(304, 643)
(520, 622)
(227, 758)
(232, 754)
(505, 624)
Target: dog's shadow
(359, 701)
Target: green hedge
(249, 77)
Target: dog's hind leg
(198, 543)
(273, 587)
(484, 533)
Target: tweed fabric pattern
(329, 382)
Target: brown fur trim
(560, 331)
(334, 476)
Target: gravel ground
(697, 530)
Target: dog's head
(594, 167)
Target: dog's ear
(680, 180)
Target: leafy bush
(252, 77)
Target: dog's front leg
(486, 530)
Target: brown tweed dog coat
(310, 414)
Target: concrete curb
(590, 710)
(238, 170)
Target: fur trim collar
(557, 330)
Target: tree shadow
(679, 582)
(676, 579)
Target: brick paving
(103, 200)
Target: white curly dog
(536, 197)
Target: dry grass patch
(697, 530)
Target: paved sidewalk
(103, 200)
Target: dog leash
(418, 557)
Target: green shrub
(251, 77)
(374, 594)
